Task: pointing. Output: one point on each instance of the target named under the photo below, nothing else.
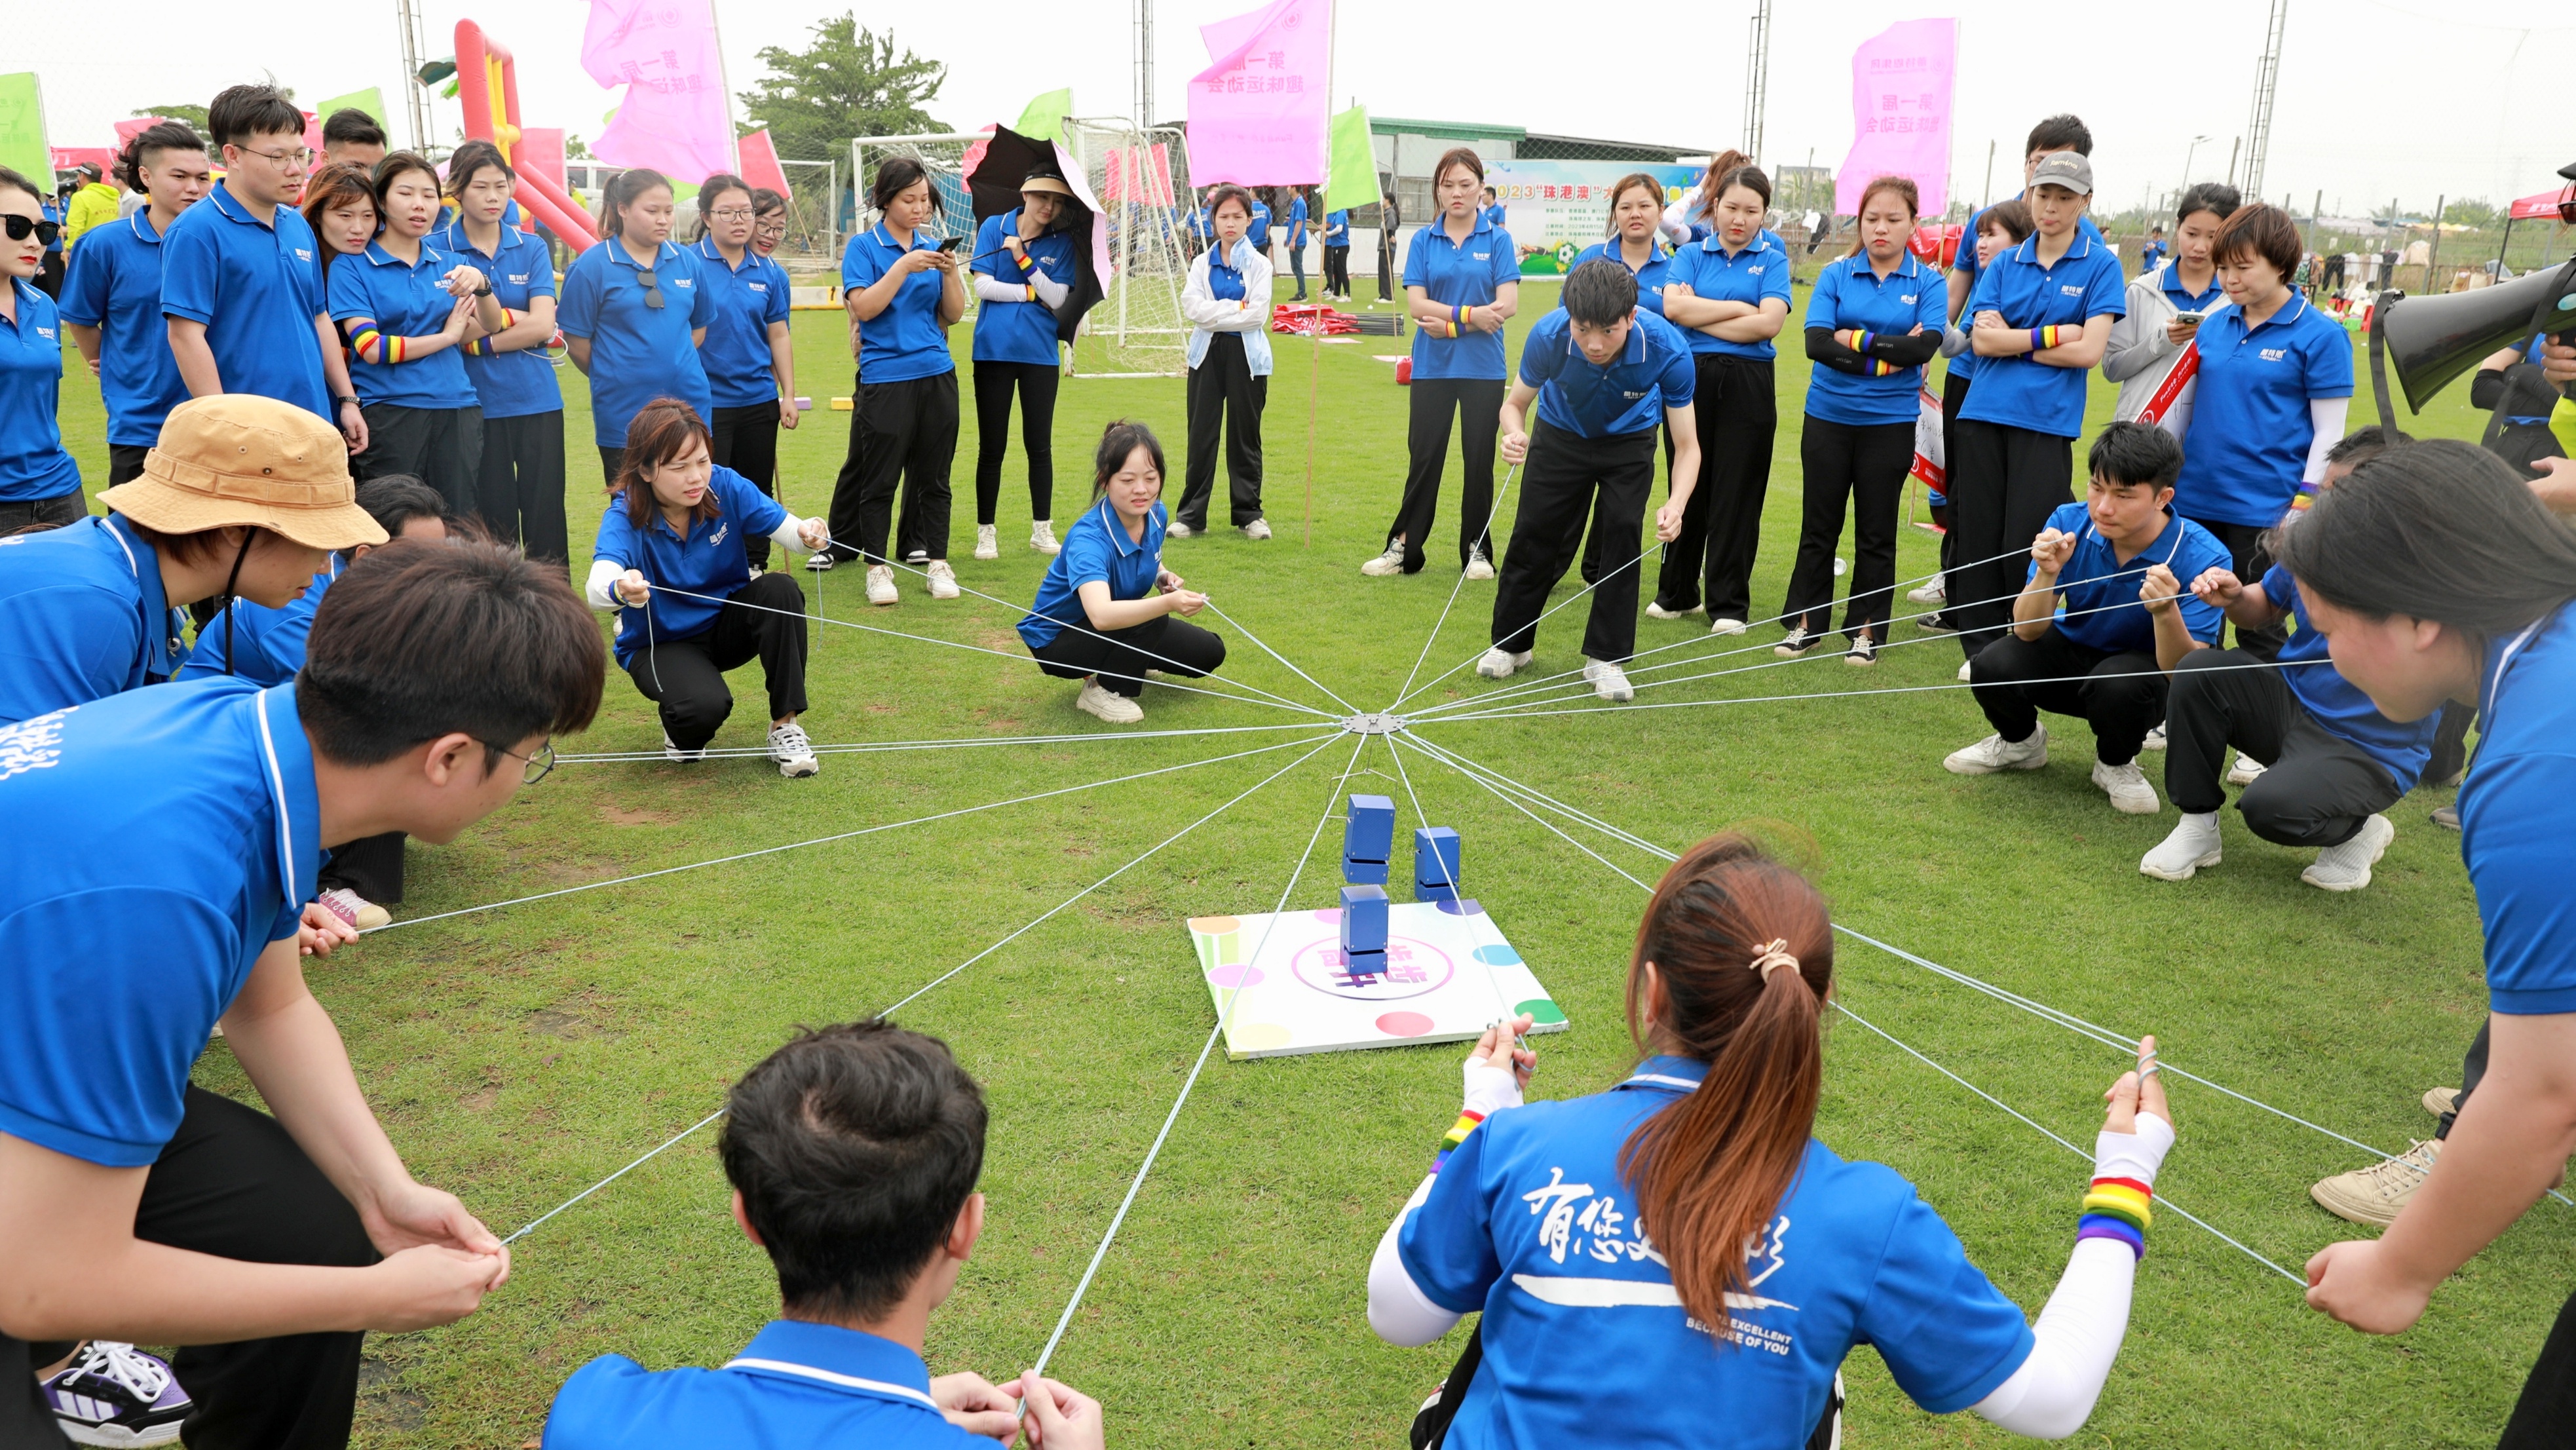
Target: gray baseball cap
(2068, 169)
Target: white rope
(1544, 616)
(1283, 659)
(1484, 540)
(865, 747)
(1475, 921)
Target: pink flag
(674, 117)
(760, 163)
(1901, 113)
(1141, 174)
(541, 150)
(1256, 116)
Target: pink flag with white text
(1257, 114)
(664, 53)
(1901, 113)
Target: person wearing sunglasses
(39, 482)
(112, 303)
(636, 309)
(749, 357)
(239, 283)
(519, 483)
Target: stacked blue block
(1435, 864)
(1364, 931)
(1368, 840)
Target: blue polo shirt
(2151, 256)
(2513, 818)
(1297, 222)
(1650, 277)
(2084, 283)
(1966, 363)
(271, 641)
(748, 299)
(400, 299)
(1531, 1222)
(907, 340)
(115, 286)
(2097, 595)
(1497, 214)
(2250, 430)
(709, 561)
(1460, 274)
(1337, 229)
(1018, 332)
(2337, 703)
(796, 1383)
(32, 461)
(1757, 274)
(254, 283)
(82, 617)
(1652, 373)
(1202, 226)
(1259, 232)
(1850, 293)
(152, 845)
(2186, 300)
(515, 384)
(1224, 279)
(1096, 548)
(638, 352)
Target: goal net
(1138, 178)
(943, 157)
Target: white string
(865, 747)
(1475, 921)
(1283, 659)
(1544, 616)
(1483, 541)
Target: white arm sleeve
(1397, 1308)
(994, 289)
(1050, 291)
(2326, 416)
(788, 535)
(1954, 341)
(604, 574)
(1676, 224)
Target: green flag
(371, 100)
(22, 128)
(1044, 118)
(1351, 166)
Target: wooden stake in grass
(1314, 379)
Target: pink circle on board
(1235, 974)
(1404, 1024)
(1330, 916)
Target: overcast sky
(2465, 107)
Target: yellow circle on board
(1214, 925)
(1256, 1036)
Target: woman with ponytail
(1681, 1248)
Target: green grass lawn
(519, 1055)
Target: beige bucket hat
(237, 458)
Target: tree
(848, 83)
(193, 115)
(574, 148)
(2473, 213)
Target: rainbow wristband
(2306, 496)
(2117, 1208)
(2044, 338)
(1456, 1135)
(2095, 1226)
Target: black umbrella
(995, 185)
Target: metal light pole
(2188, 152)
(1757, 81)
(1144, 64)
(2267, 76)
(415, 94)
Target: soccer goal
(942, 156)
(1136, 174)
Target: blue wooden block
(1364, 919)
(1356, 965)
(1425, 892)
(1368, 837)
(1435, 859)
(1364, 873)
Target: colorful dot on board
(1235, 974)
(1467, 907)
(1214, 925)
(1404, 1024)
(1330, 916)
(1497, 955)
(1256, 1036)
(1540, 1011)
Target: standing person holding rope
(636, 309)
(750, 356)
(1873, 324)
(1683, 1241)
(519, 490)
(669, 559)
(1024, 268)
(1227, 304)
(903, 289)
(1462, 281)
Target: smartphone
(2194, 318)
(950, 244)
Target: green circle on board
(1541, 1012)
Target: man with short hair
(155, 847)
(95, 203)
(238, 280)
(2154, 253)
(853, 1153)
(351, 135)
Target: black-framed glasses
(652, 287)
(20, 228)
(773, 225)
(533, 767)
(731, 214)
(297, 157)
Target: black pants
(49, 274)
(1337, 270)
(1477, 404)
(519, 488)
(2122, 696)
(686, 676)
(442, 447)
(1567, 480)
(1738, 415)
(1224, 399)
(2473, 1070)
(2320, 787)
(231, 1183)
(61, 509)
(125, 462)
(371, 866)
(1387, 291)
(2248, 559)
(1036, 384)
(746, 440)
(1865, 464)
(2542, 1417)
(1954, 396)
(2450, 743)
(2004, 483)
(1120, 657)
(901, 435)
(612, 461)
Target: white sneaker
(1258, 531)
(1842, 566)
(1964, 675)
(1931, 593)
(1178, 530)
(988, 541)
(881, 588)
(2192, 845)
(1042, 537)
(1114, 708)
(1498, 663)
(1798, 643)
(2155, 739)
(1996, 753)
(1726, 626)
(1608, 680)
(2127, 787)
(673, 752)
(1657, 611)
(2347, 867)
(2375, 1194)
(793, 752)
(2245, 770)
(1863, 652)
(1478, 566)
(943, 580)
(1389, 563)
(354, 909)
(819, 561)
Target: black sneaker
(1798, 643)
(1862, 652)
(115, 1394)
(1936, 624)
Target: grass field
(519, 1055)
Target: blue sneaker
(115, 1394)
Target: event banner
(1256, 114)
(22, 127)
(1554, 209)
(1901, 113)
(673, 116)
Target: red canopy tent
(2560, 204)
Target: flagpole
(1315, 353)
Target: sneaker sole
(1860, 661)
(2352, 1210)
(799, 769)
(1956, 767)
(2438, 1101)
(2310, 875)
(2186, 873)
(2146, 807)
(167, 1434)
